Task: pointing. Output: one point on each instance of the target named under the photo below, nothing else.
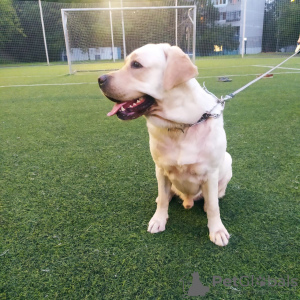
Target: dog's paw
(158, 222)
(220, 236)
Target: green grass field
(77, 190)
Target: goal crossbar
(110, 9)
(128, 8)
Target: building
(233, 12)
(92, 54)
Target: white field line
(83, 83)
(46, 84)
(285, 68)
(245, 75)
(32, 76)
(208, 68)
(240, 66)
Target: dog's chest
(185, 169)
(183, 155)
(194, 152)
(195, 173)
(187, 158)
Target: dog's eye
(136, 65)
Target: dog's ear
(179, 68)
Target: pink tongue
(115, 109)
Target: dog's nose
(101, 80)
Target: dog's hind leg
(225, 175)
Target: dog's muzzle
(126, 110)
(102, 80)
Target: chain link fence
(223, 27)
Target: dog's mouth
(132, 109)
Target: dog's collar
(207, 115)
(203, 118)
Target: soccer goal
(96, 37)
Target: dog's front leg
(217, 231)
(159, 219)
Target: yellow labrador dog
(188, 146)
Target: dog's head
(149, 72)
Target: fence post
(111, 32)
(244, 26)
(194, 33)
(68, 50)
(44, 34)
(123, 31)
(176, 20)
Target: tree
(281, 24)
(269, 28)
(288, 23)
(29, 48)
(9, 23)
(209, 33)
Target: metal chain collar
(209, 114)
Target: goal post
(96, 37)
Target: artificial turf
(77, 190)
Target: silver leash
(222, 100)
(230, 96)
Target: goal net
(96, 37)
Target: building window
(220, 2)
(233, 16)
(222, 16)
(237, 31)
